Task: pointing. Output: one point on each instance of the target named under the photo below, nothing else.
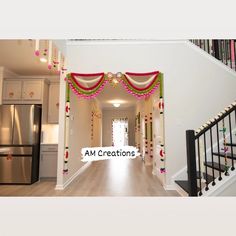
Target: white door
(120, 132)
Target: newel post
(191, 162)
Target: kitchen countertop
(49, 144)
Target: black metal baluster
(234, 55)
(207, 188)
(230, 54)
(212, 158)
(208, 46)
(191, 162)
(216, 49)
(200, 43)
(231, 141)
(218, 146)
(213, 47)
(199, 167)
(221, 53)
(226, 52)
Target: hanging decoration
(59, 61)
(55, 59)
(138, 130)
(140, 85)
(146, 138)
(162, 155)
(36, 51)
(92, 120)
(76, 82)
(151, 137)
(143, 89)
(225, 148)
(50, 55)
(135, 132)
(161, 147)
(114, 79)
(67, 119)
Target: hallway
(101, 178)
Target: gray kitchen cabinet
(48, 161)
(12, 90)
(32, 90)
(23, 91)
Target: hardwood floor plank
(101, 178)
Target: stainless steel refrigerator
(20, 128)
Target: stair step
(209, 177)
(215, 166)
(222, 154)
(184, 185)
(231, 144)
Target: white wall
(196, 86)
(50, 133)
(108, 115)
(80, 132)
(97, 124)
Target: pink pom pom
(49, 66)
(36, 53)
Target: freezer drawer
(16, 170)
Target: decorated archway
(140, 85)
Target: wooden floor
(101, 178)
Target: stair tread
(215, 166)
(222, 154)
(231, 144)
(184, 185)
(209, 177)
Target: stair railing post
(191, 162)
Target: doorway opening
(120, 132)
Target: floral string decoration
(225, 148)
(140, 85)
(67, 120)
(50, 54)
(80, 84)
(36, 51)
(141, 89)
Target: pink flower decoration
(36, 53)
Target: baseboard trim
(169, 187)
(74, 176)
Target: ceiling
(18, 56)
(118, 94)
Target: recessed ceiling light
(116, 104)
(42, 59)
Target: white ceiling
(118, 94)
(18, 56)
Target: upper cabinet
(32, 90)
(23, 91)
(53, 103)
(12, 90)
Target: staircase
(223, 50)
(210, 149)
(210, 153)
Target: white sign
(108, 153)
